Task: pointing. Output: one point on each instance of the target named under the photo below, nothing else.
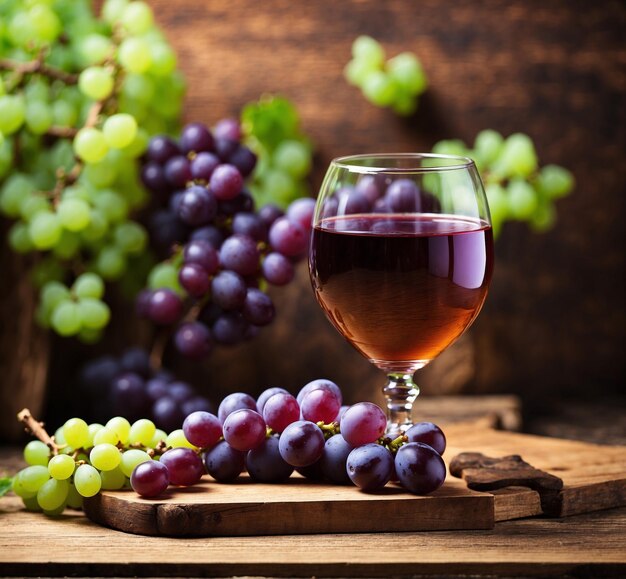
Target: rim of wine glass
(347, 162)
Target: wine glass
(401, 259)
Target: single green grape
(94, 314)
(112, 10)
(52, 494)
(52, 293)
(75, 214)
(33, 477)
(112, 205)
(76, 432)
(93, 428)
(163, 59)
(121, 427)
(105, 456)
(130, 237)
(33, 205)
(522, 199)
(137, 18)
(293, 157)
(134, 55)
(64, 113)
(61, 466)
(281, 185)
(97, 228)
(380, 89)
(119, 130)
(96, 82)
(110, 263)
(159, 436)
(176, 438)
(517, 158)
(488, 146)
(95, 48)
(368, 49)
(555, 181)
(357, 70)
(544, 217)
(74, 500)
(88, 285)
(19, 238)
(45, 230)
(45, 22)
(87, 480)
(90, 145)
(142, 432)
(138, 87)
(113, 480)
(66, 319)
(131, 458)
(68, 246)
(105, 435)
(164, 275)
(36, 453)
(17, 486)
(12, 113)
(38, 116)
(31, 504)
(407, 71)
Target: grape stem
(36, 66)
(37, 429)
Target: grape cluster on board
(395, 83)
(80, 96)
(211, 286)
(517, 187)
(269, 438)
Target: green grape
(12, 113)
(74, 214)
(88, 285)
(105, 456)
(159, 436)
(543, 218)
(17, 486)
(90, 145)
(61, 466)
(281, 186)
(137, 18)
(130, 237)
(89, 335)
(113, 480)
(13, 192)
(522, 199)
(93, 428)
(293, 157)
(164, 275)
(407, 71)
(110, 263)
(163, 59)
(121, 427)
(95, 48)
(517, 158)
(134, 55)
(138, 145)
(138, 87)
(32, 205)
(68, 246)
(52, 495)
(97, 228)
(368, 49)
(66, 319)
(33, 477)
(53, 293)
(405, 103)
(112, 205)
(31, 504)
(45, 230)
(142, 432)
(105, 435)
(21, 30)
(101, 174)
(380, 89)
(6, 158)
(176, 438)
(36, 453)
(555, 181)
(131, 458)
(19, 238)
(119, 130)
(450, 147)
(94, 314)
(488, 146)
(112, 10)
(87, 480)
(357, 70)
(96, 82)
(76, 432)
(64, 114)
(74, 500)
(45, 22)
(38, 116)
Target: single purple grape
(369, 188)
(184, 465)
(229, 328)
(225, 147)
(266, 395)
(429, 434)
(165, 307)
(150, 479)
(403, 196)
(301, 443)
(264, 463)
(363, 423)
(258, 308)
(203, 165)
(223, 462)
(270, 213)
(419, 468)
(129, 396)
(319, 384)
(161, 149)
(334, 457)
(280, 410)
(351, 201)
(195, 137)
(197, 206)
(288, 237)
(239, 253)
(244, 159)
(194, 279)
(301, 211)
(156, 388)
(243, 202)
(235, 401)
(202, 253)
(166, 230)
(229, 129)
(154, 179)
(251, 225)
(178, 171)
(277, 269)
(193, 340)
(370, 466)
(228, 290)
(167, 414)
(226, 182)
(244, 429)
(320, 406)
(136, 360)
(202, 429)
(180, 391)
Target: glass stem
(400, 392)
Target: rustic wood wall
(554, 322)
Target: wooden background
(553, 324)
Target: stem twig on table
(37, 429)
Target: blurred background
(552, 329)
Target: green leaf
(5, 485)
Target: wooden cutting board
(594, 478)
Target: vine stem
(37, 429)
(38, 66)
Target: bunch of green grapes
(80, 97)
(395, 83)
(87, 458)
(271, 129)
(517, 187)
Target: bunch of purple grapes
(223, 250)
(128, 386)
(312, 434)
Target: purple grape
(251, 225)
(229, 328)
(244, 159)
(403, 196)
(270, 213)
(239, 253)
(196, 404)
(167, 414)
(368, 187)
(161, 149)
(202, 253)
(136, 360)
(363, 423)
(312, 472)
(277, 269)
(178, 172)
(280, 410)
(382, 206)
(203, 165)
(258, 308)
(193, 340)
(334, 457)
(150, 479)
(370, 466)
(197, 206)
(301, 443)
(223, 462)
(264, 463)
(196, 138)
(301, 212)
(180, 391)
(165, 307)
(419, 468)
(129, 396)
(208, 233)
(330, 208)
(228, 290)
(266, 395)
(287, 237)
(429, 434)
(319, 384)
(184, 465)
(174, 202)
(320, 405)
(241, 203)
(156, 388)
(142, 303)
(195, 279)
(225, 147)
(244, 429)
(202, 429)
(166, 230)
(226, 182)
(229, 129)
(352, 201)
(153, 177)
(97, 375)
(235, 401)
